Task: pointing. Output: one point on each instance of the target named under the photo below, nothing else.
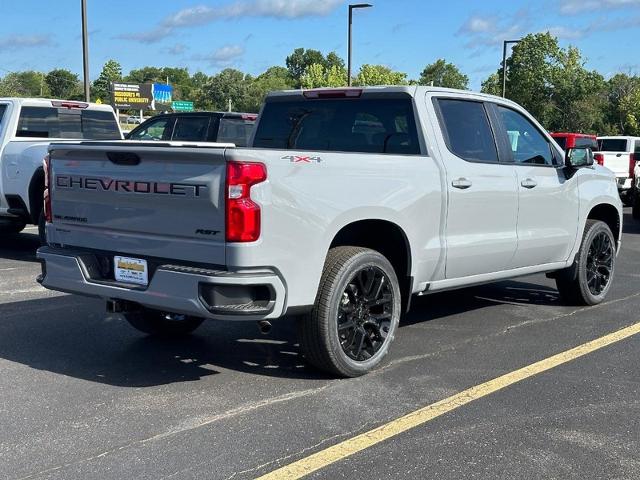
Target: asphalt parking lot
(83, 395)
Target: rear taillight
(47, 197)
(632, 165)
(243, 214)
(599, 158)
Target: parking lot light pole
(85, 50)
(351, 7)
(505, 44)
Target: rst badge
(302, 159)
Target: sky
(251, 35)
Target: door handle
(461, 183)
(529, 183)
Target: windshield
(50, 122)
(235, 130)
(612, 144)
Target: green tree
(379, 75)
(62, 83)
(24, 84)
(443, 74)
(621, 112)
(300, 60)
(275, 78)
(317, 75)
(553, 84)
(101, 88)
(230, 85)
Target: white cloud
(205, 14)
(574, 7)
(227, 53)
(24, 41)
(177, 49)
(223, 56)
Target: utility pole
(351, 7)
(85, 50)
(504, 65)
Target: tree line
(550, 81)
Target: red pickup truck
(573, 140)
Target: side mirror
(578, 157)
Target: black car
(224, 127)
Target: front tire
(356, 313)
(589, 279)
(157, 323)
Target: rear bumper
(175, 289)
(624, 182)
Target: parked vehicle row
(346, 203)
(27, 127)
(222, 127)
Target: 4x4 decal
(301, 159)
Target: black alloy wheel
(364, 313)
(599, 263)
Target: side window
(586, 142)
(637, 149)
(3, 107)
(191, 129)
(467, 130)
(528, 145)
(159, 129)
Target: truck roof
(49, 102)
(413, 90)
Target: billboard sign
(162, 93)
(138, 96)
(182, 106)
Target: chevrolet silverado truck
(27, 127)
(347, 203)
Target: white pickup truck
(27, 127)
(620, 154)
(347, 203)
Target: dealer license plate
(131, 270)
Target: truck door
(482, 191)
(548, 199)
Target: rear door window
(612, 144)
(383, 125)
(3, 108)
(235, 130)
(50, 122)
(191, 129)
(637, 149)
(467, 131)
(155, 129)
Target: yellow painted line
(344, 449)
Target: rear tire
(42, 231)
(589, 279)
(635, 211)
(356, 313)
(12, 227)
(157, 323)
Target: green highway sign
(182, 106)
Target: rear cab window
(73, 123)
(562, 141)
(366, 125)
(612, 144)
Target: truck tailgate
(159, 201)
(617, 162)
